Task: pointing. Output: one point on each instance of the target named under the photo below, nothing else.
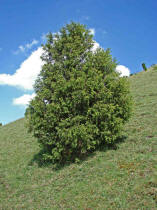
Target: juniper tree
(144, 67)
(81, 102)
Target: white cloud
(23, 48)
(92, 31)
(95, 46)
(25, 76)
(123, 70)
(23, 100)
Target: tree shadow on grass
(113, 146)
(38, 158)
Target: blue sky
(128, 27)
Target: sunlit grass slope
(116, 178)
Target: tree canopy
(81, 102)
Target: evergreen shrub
(81, 102)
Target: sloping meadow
(119, 177)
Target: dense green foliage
(81, 102)
(0, 124)
(144, 67)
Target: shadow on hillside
(38, 158)
(114, 146)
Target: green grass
(120, 178)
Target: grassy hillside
(115, 178)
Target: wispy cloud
(26, 74)
(43, 37)
(23, 48)
(104, 32)
(30, 45)
(85, 18)
(23, 100)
